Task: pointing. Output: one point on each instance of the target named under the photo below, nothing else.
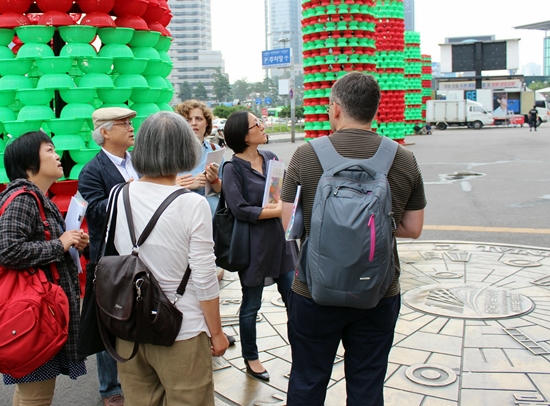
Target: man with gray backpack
(358, 191)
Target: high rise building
(542, 26)
(191, 51)
(409, 15)
(283, 28)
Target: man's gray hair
(96, 134)
(358, 95)
(165, 145)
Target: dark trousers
(315, 332)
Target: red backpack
(34, 313)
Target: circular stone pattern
(430, 375)
(468, 301)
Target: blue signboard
(276, 58)
(258, 101)
(268, 100)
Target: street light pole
(291, 93)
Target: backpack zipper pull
(372, 237)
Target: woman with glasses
(199, 117)
(271, 256)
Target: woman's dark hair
(235, 131)
(23, 154)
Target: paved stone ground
(474, 329)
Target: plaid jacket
(23, 246)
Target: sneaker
(115, 400)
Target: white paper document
(73, 221)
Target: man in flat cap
(114, 132)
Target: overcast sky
(238, 28)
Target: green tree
(298, 112)
(538, 85)
(186, 91)
(221, 87)
(226, 111)
(241, 89)
(200, 92)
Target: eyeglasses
(126, 124)
(327, 107)
(258, 124)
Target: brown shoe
(115, 400)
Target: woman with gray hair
(182, 373)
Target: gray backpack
(347, 259)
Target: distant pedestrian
(533, 118)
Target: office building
(409, 15)
(191, 51)
(283, 29)
(542, 26)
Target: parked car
(218, 124)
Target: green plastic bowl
(6, 53)
(75, 170)
(34, 50)
(78, 33)
(15, 66)
(116, 51)
(163, 43)
(78, 94)
(145, 95)
(115, 35)
(35, 112)
(65, 125)
(78, 50)
(16, 82)
(35, 96)
(7, 96)
(95, 64)
(165, 96)
(35, 33)
(77, 110)
(82, 156)
(146, 52)
(18, 128)
(97, 80)
(165, 107)
(145, 109)
(155, 68)
(130, 65)
(54, 64)
(55, 81)
(130, 80)
(143, 38)
(3, 175)
(68, 142)
(114, 95)
(6, 36)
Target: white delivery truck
(455, 113)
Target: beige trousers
(34, 393)
(160, 376)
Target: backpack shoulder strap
(153, 221)
(327, 154)
(382, 160)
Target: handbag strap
(149, 227)
(108, 240)
(45, 222)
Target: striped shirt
(405, 180)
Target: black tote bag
(231, 236)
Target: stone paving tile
(449, 361)
(491, 381)
(488, 337)
(336, 394)
(408, 356)
(542, 383)
(433, 342)
(435, 326)
(400, 397)
(429, 401)
(408, 328)
(491, 397)
(454, 327)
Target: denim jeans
(108, 375)
(252, 301)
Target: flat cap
(101, 116)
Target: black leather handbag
(231, 235)
(130, 303)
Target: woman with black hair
(31, 163)
(271, 256)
